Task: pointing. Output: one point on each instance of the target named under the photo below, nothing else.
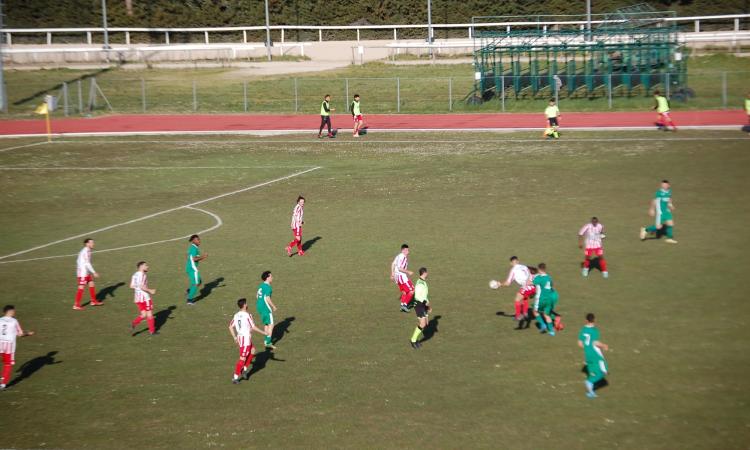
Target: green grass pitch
(344, 374)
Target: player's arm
(508, 280)
(580, 237)
(200, 258)
(90, 268)
(671, 205)
(405, 271)
(580, 343)
(232, 330)
(601, 345)
(258, 330)
(270, 302)
(652, 207)
(22, 333)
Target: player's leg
(669, 231)
(421, 312)
(267, 318)
(328, 123)
(586, 262)
(517, 305)
(238, 367)
(92, 294)
(79, 293)
(8, 362)
(602, 263)
(195, 281)
(141, 316)
(322, 124)
(150, 319)
(538, 305)
(594, 375)
(298, 241)
(249, 358)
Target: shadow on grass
(310, 242)
(162, 316)
(281, 328)
(208, 288)
(599, 384)
(431, 329)
(32, 366)
(108, 291)
(261, 359)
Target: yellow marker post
(44, 109)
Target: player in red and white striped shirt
(298, 215)
(139, 282)
(590, 239)
(240, 327)
(86, 274)
(10, 329)
(400, 274)
(521, 275)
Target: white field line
(149, 168)
(216, 225)
(22, 146)
(159, 213)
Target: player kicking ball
(400, 274)
(591, 236)
(266, 308)
(422, 307)
(143, 299)
(10, 329)
(240, 327)
(298, 216)
(661, 210)
(521, 275)
(86, 274)
(596, 366)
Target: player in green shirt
(546, 300)
(357, 115)
(421, 307)
(552, 113)
(596, 366)
(661, 210)
(191, 267)
(661, 105)
(266, 307)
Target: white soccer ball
(494, 284)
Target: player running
(86, 274)
(191, 267)
(521, 275)
(325, 116)
(661, 210)
(10, 329)
(422, 307)
(143, 300)
(298, 216)
(552, 113)
(357, 115)
(545, 302)
(400, 274)
(661, 105)
(240, 327)
(596, 366)
(266, 307)
(590, 239)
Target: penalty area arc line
(159, 213)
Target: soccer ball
(494, 284)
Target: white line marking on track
(149, 168)
(216, 225)
(159, 213)
(22, 146)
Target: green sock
(550, 327)
(191, 293)
(651, 229)
(540, 320)
(669, 232)
(267, 340)
(416, 334)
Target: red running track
(255, 122)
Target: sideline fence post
(143, 94)
(723, 90)
(80, 97)
(244, 93)
(346, 88)
(195, 96)
(609, 90)
(398, 94)
(502, 89)
(296, 98)
(450, 94)
(65, 98)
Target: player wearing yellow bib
(325, 116)
(421, 307)
(661, 105)
(552, 113)
(357, 115)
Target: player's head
(657, 93)
(594, 220)
(195, 239)
(542, 267)
(301, 200)
(533, 270)
(423, 272)
(551, 101)
(665, 184)
(88, 242)
(242, 303)
(142, 265)
(513, 260)
(266, 276)
(356, 97)
(590, 318)
(327, 97)
(405, 249)
(9, 310)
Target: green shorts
(266, 316)
(195, 277)
(547, 303)
(663, 217)
(597, 369)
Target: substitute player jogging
(400, 274)
(421, 307)
(85, 273)
(590, 239)
(298, 219)
(10, 329)
(240, 327)
(325, 116)
(596, 366)
(552, 113)
(661, 210)
(661, 105)
(142, 298)
(194, 257)
(266, 307)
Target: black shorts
(421, 309)
(552, 121)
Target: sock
(137, 320)
(298, 243)
(7, 368)
(589, 386)
(603, 264)
(79, 296)
(540, 321)
(267, 340)
(550, 327)
(586, 263)
(238, 368)
(518, 309)
(525, 306)
(192, 291)
(291, 244)
(249, 360)
(151, 325)
(669, 232)
(92, 293)
(415, 335)
(651, 229)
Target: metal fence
(163, 93)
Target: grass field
(344, 374)
(422, 89)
